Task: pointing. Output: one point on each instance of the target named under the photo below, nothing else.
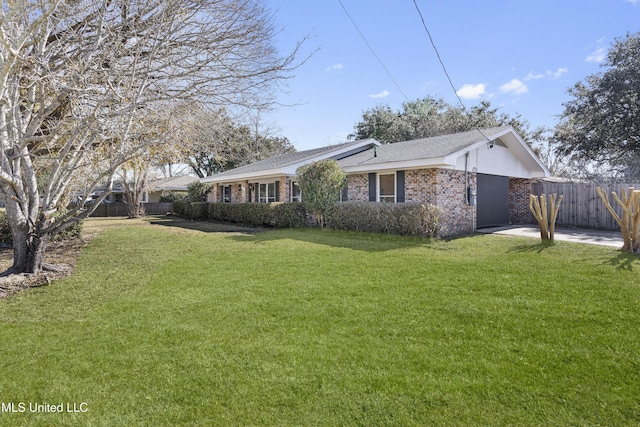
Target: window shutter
(400, 186)
(256, 186)
(277, 191)
(345, 193)
(372, 187)
(221, 190)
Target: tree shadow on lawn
(624, 261)
(369, 242)
(616, 258)
(204, 226)
(532, 247)
(354, 240)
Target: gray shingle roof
(175, 183)
(284, 160)
(417, 149)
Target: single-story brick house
(479, 178)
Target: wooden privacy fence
(120, 209)
(581, 206)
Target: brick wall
(214, 194)
(283, 189)
(358, 187)
(519, 191)
(420, 186)
(239, 192)
(451, 197)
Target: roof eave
(436, 162)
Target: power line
(438, 55)
(443, 66)
(372, 51)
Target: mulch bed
(63, 254)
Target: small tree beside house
(321, 183)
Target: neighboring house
(158, 188)
(479, 178)
(155, 189)
(116, 196)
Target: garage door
(492, 200)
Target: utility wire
(438, 54)
(443, 66)
(372, 51)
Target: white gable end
(498, 160)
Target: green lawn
(171, 326)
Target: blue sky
(521, 55)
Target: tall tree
(75, 77)
(430, 116)
(213, 142)
(602, 120)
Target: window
(296, 196)
(388, 188)
(226, 194)
(267, 192)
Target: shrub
(408, 219)
(199, 210)
(173, 196)
(279, 215)
(72, 232)
(321, 183)
(290, 215)
(197, 191)
(5, 230)
(181, 207)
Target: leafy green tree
(197, 191)
(427, 117)
(213, 142)
(320, 184)
(602, 120)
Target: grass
(177, 326)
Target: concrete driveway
(577, 235)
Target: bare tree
(77, 76)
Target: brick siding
(519, 191)
(357, 187)
(452, 199)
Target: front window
(296, 195)
(267, 192)
(388, 188)
(226, 194)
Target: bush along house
(479, 178)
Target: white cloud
(334, 67)
(382, 94)
(558, 73)
(515, 86)
(597, 56)
(532, 76)
(472, 91)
